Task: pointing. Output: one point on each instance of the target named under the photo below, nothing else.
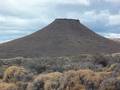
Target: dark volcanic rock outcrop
(62, 37)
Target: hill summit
(60, 38)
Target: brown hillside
(116, 39)
(62, 37)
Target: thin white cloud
(13, 32)
(104, 16)
(114, 19)
(46, 2)
(13, 24)
(111, 35)
(26, 4)
(3, 41)
(35, 8)
(9, 32)
(113, 1)
(91, 16)
(11, 20)
(82, 2)
(97, 16)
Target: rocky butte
(63, 37)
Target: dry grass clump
(8, 86)
(69, 80)
(79, 87)
(83, 79)
(15, 78)
(21, 85)
(14, 74)
(90, 79)
(87, 78)
(50, 80)
(45, 82)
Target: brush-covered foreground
(84, 72)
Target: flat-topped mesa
(64, 20)
(67, 20)
(66, 24)
(63, 37)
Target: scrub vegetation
(83, 72)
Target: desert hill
(116, 39)
(60, 38)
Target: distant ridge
(61, 37)
(115, 39)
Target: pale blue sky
(22, 17)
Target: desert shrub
(45, 82)
(51, 85)
(8, 86)
(110, 84)
(1, 72)
(87, 78)
(14, 74)
(21, 85)
(91, 79)
(38, 68)
(70, 81)
(116, 57)
(1, 62)
(35, 66)
(112, 67)
(101, 60)
(56, 68)
(116, 70)
(18, 60)
(30, 86)
(79, 87)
